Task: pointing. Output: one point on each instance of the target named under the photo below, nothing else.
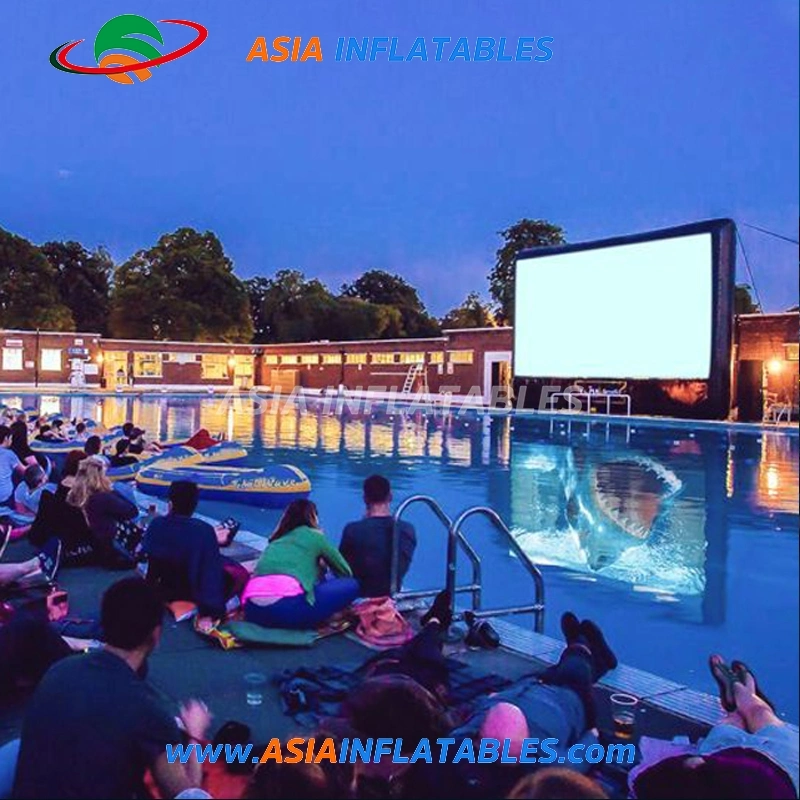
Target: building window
(411, 358)
(50, 359)
(382, 358)
(293, 359)
(461, 356)
(356, 358)
(436, 357)
(147, 365)
(243, 368)
(792, 349)
(270, 359)
(331, 358)
(215, 366)
(310, 358)
(12, 358)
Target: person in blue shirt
(184, 560)
(10, 466)
(367, 544)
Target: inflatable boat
(179, 456)
(274, 486)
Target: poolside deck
(188, 665)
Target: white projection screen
(630, 311)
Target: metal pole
(36, 362)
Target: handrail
(454, 541)
(533, 570)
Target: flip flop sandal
(740, 670)
(725, 678)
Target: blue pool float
(218, 454)
(273, 486)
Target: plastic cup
(254, 685)
(623, 712)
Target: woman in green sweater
(289, 588)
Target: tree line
(184, 288)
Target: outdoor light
(99, 358)
(231, 362)
(775, 365)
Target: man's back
(367, 547)
(185, 559)
(91, 730)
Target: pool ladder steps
(457, 542)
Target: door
(497, 378)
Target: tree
(182, 288)
(28, 293)
(472, 313)
(743, 302)
(525, 234)
(83, 280)
(384, 289)
(257, 289)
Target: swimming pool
(680, 540)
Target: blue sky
(647, 115)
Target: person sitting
(367, 544)
(121, 457)
(136, 441)
(184, 558)
(284, 781)
(10, 467)
(46, 433)
(28, 493)
(287, 589)
(19, 444)
(554, 783)
(750, 753)
(102, 506)
(94, 446)
(95, 725)
(81, 434)
(57, 430)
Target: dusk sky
(648, 114)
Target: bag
(380, 624)
(128, 539)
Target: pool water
(679, 540)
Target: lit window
(50, 359)
(293, 359)
(147, 365)
(792, 351)
(436, 357)
(215, 366)
(331, 358)
(311, 358)
(356, 358)
(411, 358)
(461, 356)
(12, 358)
(383, 358)
(270, 359)
(243, 368)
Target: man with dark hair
(9, 466)
(94, 725)
(184, 558)
(367, 544)
(93, 446)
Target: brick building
(468, 362)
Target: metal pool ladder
(457, 542)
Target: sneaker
(439, 610)
(481, 635)
(50, 558)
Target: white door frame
(492, 357)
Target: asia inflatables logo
(118, 39)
